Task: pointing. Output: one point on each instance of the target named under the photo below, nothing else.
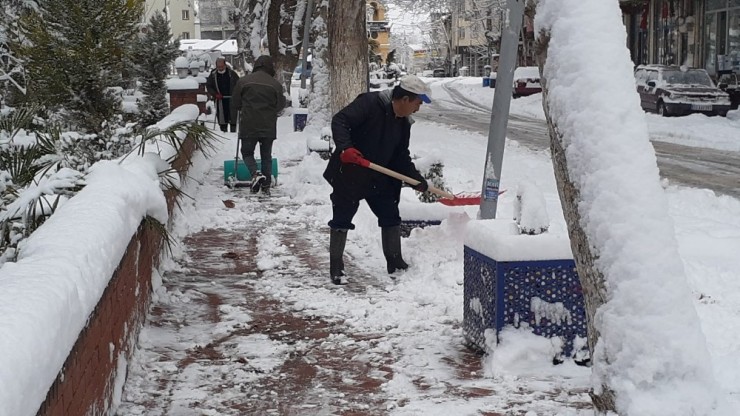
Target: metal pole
(500, 110)
(306, 38)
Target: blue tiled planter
(299, 120)
(498, 294)
(408, 225)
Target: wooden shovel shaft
(408, 180)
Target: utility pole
(304, 43)
(500, 110)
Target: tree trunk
(319, 112)
(242, 18)
(592, 280)
(279, 33)
(348, 62)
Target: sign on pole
(500, 112)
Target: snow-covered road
(687, 159)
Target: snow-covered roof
(226, 47)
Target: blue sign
(491, 190)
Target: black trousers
(248, 146)
(355, 184)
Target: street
(698, 167)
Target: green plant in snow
(35, 177)
(153, 56)
(435, 178)
(31, 182)
(74, 53)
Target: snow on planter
(522, 281)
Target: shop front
(662, 31)
(722, 36)
(695, 33)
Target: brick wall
(86, 382)
(180, 97)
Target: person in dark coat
(258, 99)
(220, 85)
(375, 127)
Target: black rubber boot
(337, 240)
(391, 237)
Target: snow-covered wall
(49, 294)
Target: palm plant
(35, 177)
(29, 191)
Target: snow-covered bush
(41, 167)
(433, 171)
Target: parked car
(526, 81)
(673, 90)
(730, 83)
(439, 73)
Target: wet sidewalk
(238, 328)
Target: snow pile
(500, 240)
(189, 83)
(530, 211)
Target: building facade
(378, 29)
(475, 29)
(180, 13)
(695, 33)
(214, 19)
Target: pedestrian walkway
(246, 323)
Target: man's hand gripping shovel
(351, 155)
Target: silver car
(673, 90)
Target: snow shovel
(393, 174)
(464, 198)
(408, 180)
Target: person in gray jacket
(258, 99)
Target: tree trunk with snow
(279, 39)
(242, 16)
(348, 62)
(319, 111)
(591, 278)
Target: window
(185, 35)
(462, 33)
(186, 15)
(716, 4)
